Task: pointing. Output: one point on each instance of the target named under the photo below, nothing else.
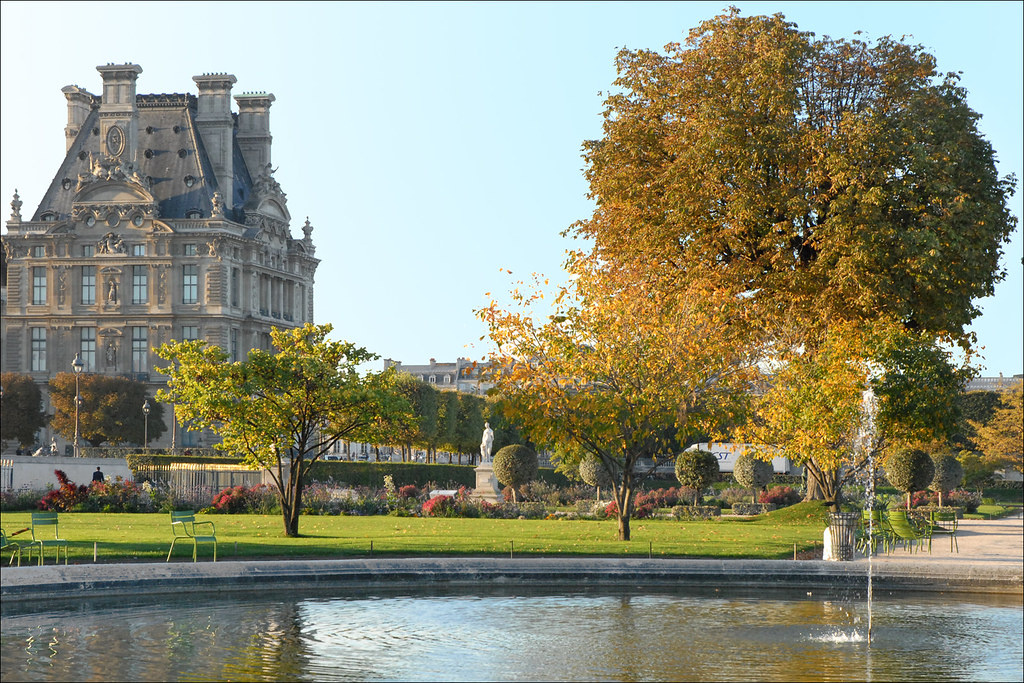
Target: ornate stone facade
(164, 221)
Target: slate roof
(170, 148)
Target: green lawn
(146, 537)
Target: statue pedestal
(487, 485)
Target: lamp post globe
(77, 366)
(145, 413)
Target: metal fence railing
(196, 482)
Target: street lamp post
(77, 366)
(145, 412)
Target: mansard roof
(171, 157)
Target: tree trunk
(623, 527)
(291, 508)
(813, 488)
(623, 501)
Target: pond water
(619, 636)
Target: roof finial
(16, 207)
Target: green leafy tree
(949, 474)
(421, 431)
(697, 469)
(111, 409)
(282, 410)
(515, 466)
(470, 425)
(909, 470)
(447, 423)
(752, 472)
(22, 409)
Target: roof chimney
(118, 114)
(254, 138)
(79, 107)
(216, 127)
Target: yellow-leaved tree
(621, 371)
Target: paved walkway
(997, 542)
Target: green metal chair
(187, 529)
(907, 532)
(7, 544)
(45, 519)
(872, 531)
(945, 524)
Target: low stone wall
(37, 472)
(475, 573)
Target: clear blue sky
(432, 144)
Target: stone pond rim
(462, 574)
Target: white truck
(727, 453)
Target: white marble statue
(486, 443)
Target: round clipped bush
(514, 466)
(949, 474)
(909, 470)
(751, 472)
(594, 473)
(696, 469)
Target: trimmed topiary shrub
(751, 472)
(697, 469)
(909, 469)
(514, 466)
(594, 473)
(949, 474)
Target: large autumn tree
(110, 412)
(283, 409)
(621, 372)
(832, 183)
(825, 178)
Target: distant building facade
(163, 222)
(463, 375)
(1000, 383)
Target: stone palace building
(162, 222)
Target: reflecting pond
(537, 635)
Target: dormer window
(48, 217)
(193, 213)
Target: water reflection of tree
(275, 649)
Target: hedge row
(405, 473)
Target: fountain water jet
(866, 443)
